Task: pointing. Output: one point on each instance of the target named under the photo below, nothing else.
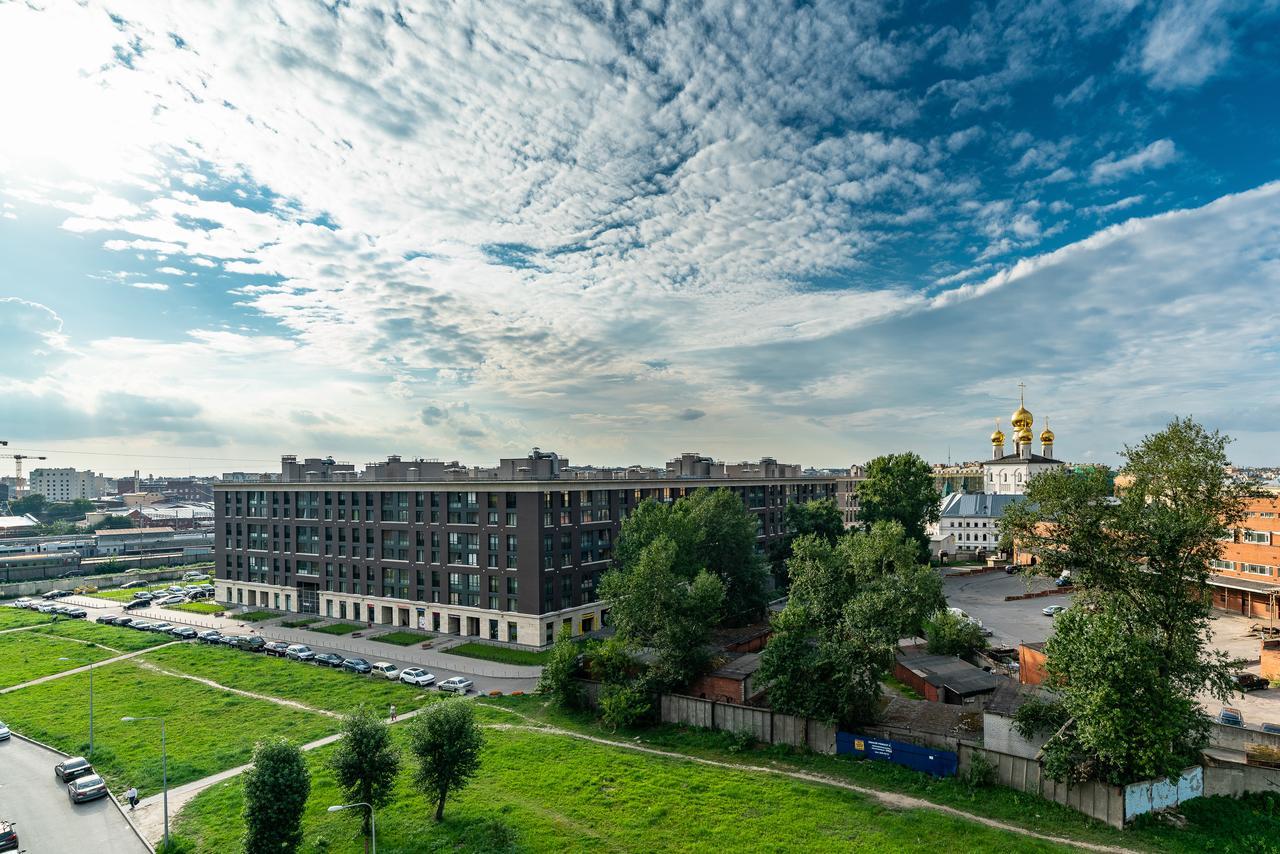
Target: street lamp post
(373, 826)
(64, 658)
(164, 769)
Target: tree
(652, 605)
(559, 673)
(821, 517)
(899, 488)
(951, 634)
(365, 761)
(113, 522)
(33, 504)
(446, 741)
(711, 530)
(276, 788)
(1131, 654)
(850, 603)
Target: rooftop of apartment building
(539, 465)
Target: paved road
(47, 822)
(1011, 623)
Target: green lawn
(499, 653)
(402, 638)
(336, 628)
(13, 618)
(256, 616)
(318, 687)
(115, 637)
(29, 655)
(298, 624)
(198, 607)
(208, 730)
(118, 595)
(540, 792)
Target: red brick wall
(719, 689)
(904, 675)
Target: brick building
(1246, 576)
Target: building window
(511, 632)
(1256, 568)
(1260, 537)
(1223, 564)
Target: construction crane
(18, 484)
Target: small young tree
(949, 634)
(365, 761)
(447, 742)
(275, 795)
(559, 673)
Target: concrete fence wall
(763, 725)
(35, 588)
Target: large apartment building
(1246, 577)
(512, 553)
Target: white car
(386, 669)
(24, 602)
(4, 732)
(169, 600)
(456, 684)
(1053, 610)
(417, 676)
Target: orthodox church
(1007, 474)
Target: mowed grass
(208, 730)
(499, 653)
(402, 638)
(197, 607)
(29, 655)
(256, 616)
(336, 629)
(118, 595)
(541, 792)
(115, 637)
(317, 687)
(16, 618)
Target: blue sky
(818, 231)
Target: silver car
(88, 788)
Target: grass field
(540, 792)
(299, 624)
(198, 607)
(118, 595)
(318, 687)
(208, 730)
(498, 653)
(336, 628)
(115, 637)
(402, 638)
(29, 655)
(14, 618)
(256, 616)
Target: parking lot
(47, 822)
(1022, 621)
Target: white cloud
(1188, 42)
(149, 286)
(1158, 154)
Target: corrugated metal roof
(947, 671)
(980, 504)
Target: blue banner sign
(940, 763)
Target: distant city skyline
(812, 232)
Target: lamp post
(64, 658)
(164, 768)
(373, 827)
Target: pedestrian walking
(132, 797)
(393, 712)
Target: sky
(817, 231)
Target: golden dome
(1021, 418)
(1046, 435)
(1023, 436)
(997, 438)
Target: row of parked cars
(125, 621)
(82, 782)
(51, 608)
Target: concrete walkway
(85, 667)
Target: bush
(624, 705)
(559, 675)
(981, 774)
(949, 634)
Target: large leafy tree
(821, 517)
(275, 795)
(900, 488)
(365, 761)
(446, 741)
(1131, 654)
(651, 604)
(711, 530)
(850, 603)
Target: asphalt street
(47, 821)
(1011, 623)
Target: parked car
(276, 648)
(356, 665)
(209, 636)
(76, 613)
(457, 684)
(144, 595)
(1274, 729)
(183, 633)
(124, 622)
(1010, 569)
(386, 670)
(416, 676)
(136, 603)
(253, 643)
(1053, 610)
(194, 576)
(1230, 716)
(299, 652)
(141, 625)
(55, 594)
(4, 732)
(8, 836)
(108, 619)
(232, 641)
(22, 602)
(1062, 582)
(71, 768)
(327, 659)
(88, 788)
(169, 600)
(129, 585)
(46, 608)
(1251, 682)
